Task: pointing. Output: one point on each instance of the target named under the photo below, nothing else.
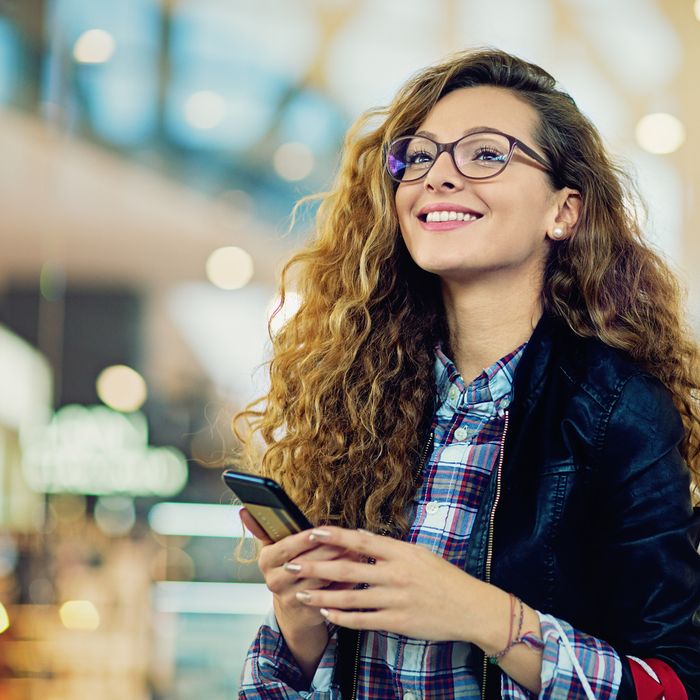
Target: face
(504, 221)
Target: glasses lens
(482, 155)
(410, 157)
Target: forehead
(483, 105)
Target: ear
(566, 214)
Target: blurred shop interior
(152, 151)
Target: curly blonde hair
(352, 372)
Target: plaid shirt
(468, 425)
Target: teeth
(434, 216)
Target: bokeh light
(67, 507)
(115, 515)
(205, 109)
(79, 615)
(293, 161)
(660, 133)
(4, 619)
(94, 46)
(121, 388)
(229, 267)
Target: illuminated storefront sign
(95, 450)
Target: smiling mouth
(440, 216)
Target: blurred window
(117, 98)
(220, 95)
(9, 61)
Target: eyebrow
(473, 130)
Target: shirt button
(454, 395)
(431, 508)
(461, 434)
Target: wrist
(306, 642)
(506, 619)
(492, 626)
(296, 619)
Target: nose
(443, 175)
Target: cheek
(403, 202)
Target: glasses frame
(449, 148)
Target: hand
(294, 617)
(411, 591)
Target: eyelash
(486, 150)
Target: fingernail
(367, 532)
(324, 612)
(294, 568)
(303, 596)
(319, 535)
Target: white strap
(648, 669)
(572, 655)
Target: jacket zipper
(489, 544)
(419, 469)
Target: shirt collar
(494, 383)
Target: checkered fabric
(468, 425)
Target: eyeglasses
(478, 156)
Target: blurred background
(151, 152)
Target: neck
(488, 318)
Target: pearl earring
(558, 232)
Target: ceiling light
(121, 388)
(94, 46)
(229, 267)
(660, 133)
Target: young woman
(488, 403)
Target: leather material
(595, 524)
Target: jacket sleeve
(650, 561)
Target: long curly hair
(343, 423)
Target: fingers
(322, 552)
(360, 541)
(279, 553)
(252, 526)
(355, 620)
(348, 599)
(340, 570)
(312, 560)
(355, 608)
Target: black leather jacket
(594, 522)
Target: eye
(419, 157)
(489, 153)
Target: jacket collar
(537, 357)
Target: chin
(442, 267)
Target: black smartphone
(267, 503)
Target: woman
(489, 372)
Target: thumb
(252, 526)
